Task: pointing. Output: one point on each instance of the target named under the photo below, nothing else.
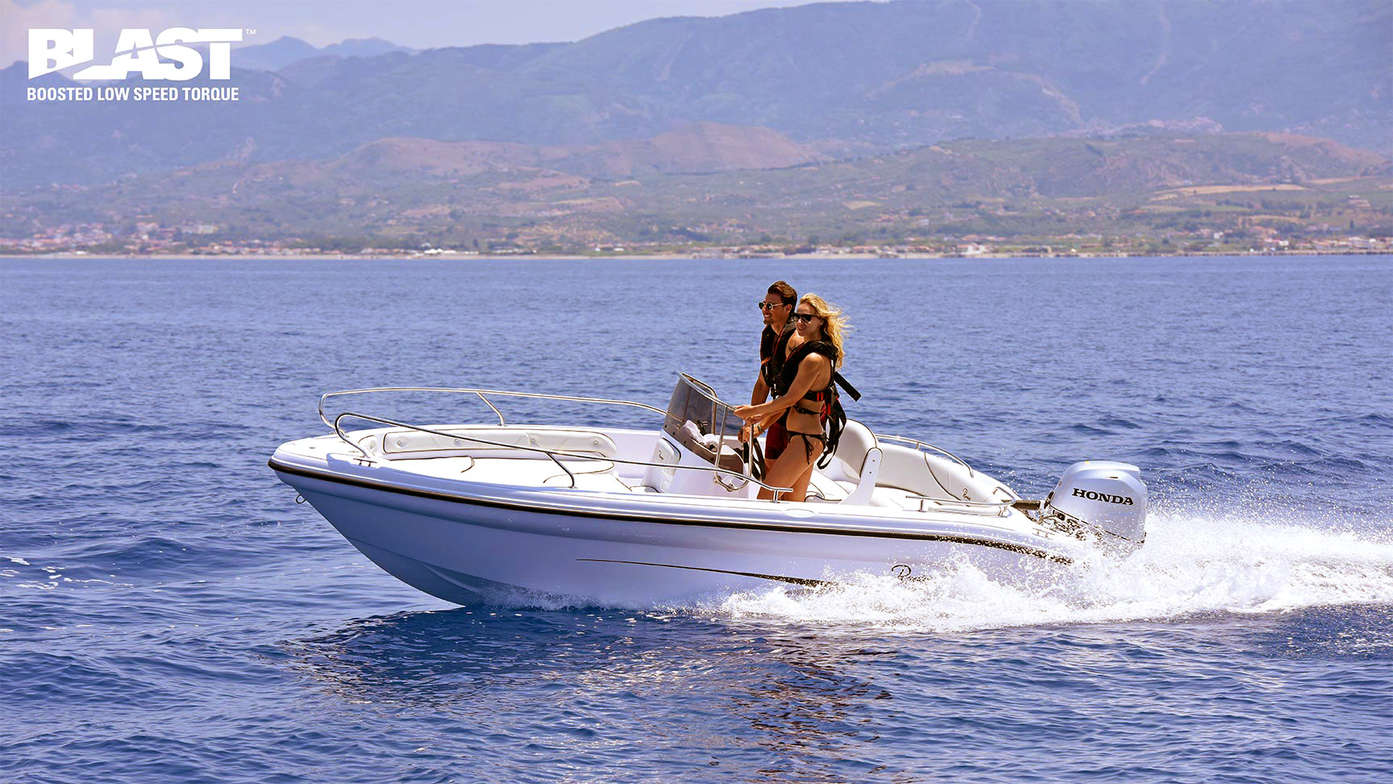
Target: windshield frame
(695, 413)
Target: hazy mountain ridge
(287, 50)
(840, 76)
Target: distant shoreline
(691, 256)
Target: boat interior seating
(863, 471)
(405, 444)
(856, 463)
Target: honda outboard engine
(1100, 497)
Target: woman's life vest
(826, 403)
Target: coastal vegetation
(691, 193)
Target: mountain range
(288, 50)
(831, 80)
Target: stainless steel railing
(554, 454)
(482, 394)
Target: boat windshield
(699, 420)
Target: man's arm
(761, 388)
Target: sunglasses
(762, 305)
(803, 318)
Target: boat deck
(623, 461)
(607, 476)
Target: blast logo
(54, 49)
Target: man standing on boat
(777, 307)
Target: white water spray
(1188, 565)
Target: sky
(420, 24)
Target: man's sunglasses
(762, 305)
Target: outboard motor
(1101, 497)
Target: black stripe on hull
(903, 535)
(775, 577)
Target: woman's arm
(808, 371)
(754, 427)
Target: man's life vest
(771, 354)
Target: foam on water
(1189, 565)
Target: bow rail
(555, 454)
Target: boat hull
(468, 549)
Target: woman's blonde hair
(834, 323)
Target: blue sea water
(168, 614)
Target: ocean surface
(169, 614)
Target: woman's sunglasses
(804, 317)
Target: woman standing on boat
(803, 396)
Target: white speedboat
(635, 516)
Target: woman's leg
(800, 485)
(793, 468)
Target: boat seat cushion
(936, 476)
(824, 488)
(855, 442)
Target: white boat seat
(937, 476)
(824, 489)
(595, 475)
(860, 456)
(869, 470)
(862, 462)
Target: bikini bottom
(808, 439)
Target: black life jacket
(771, 352)
(827, 403)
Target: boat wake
(1188, 566)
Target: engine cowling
(1103, 497)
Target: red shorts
(775, 440)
